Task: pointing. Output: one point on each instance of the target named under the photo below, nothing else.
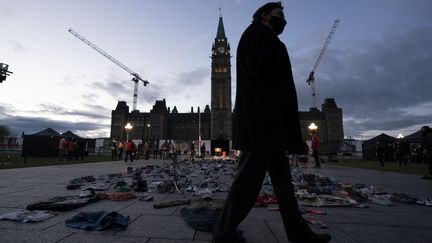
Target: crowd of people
(70, 148)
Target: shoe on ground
(428, 202)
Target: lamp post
(148, 135)
(128, 128)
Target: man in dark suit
(265, 126)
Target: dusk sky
(377, 66)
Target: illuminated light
(313, 127)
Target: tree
(4, 131)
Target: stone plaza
(376, 223)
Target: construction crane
(136, 77)
(311, 78)
(4, 72)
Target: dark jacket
(266, 109)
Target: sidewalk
(20, 187)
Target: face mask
(278, 24)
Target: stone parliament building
(214, 122)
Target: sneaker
(428, 202)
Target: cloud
(193, 77)
(381, 84)
(29, 125)
(17, 46)
(90, 123)
(5, 11)
(173, 85)
(96, 111)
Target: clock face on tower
(221, 49)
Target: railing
(10, 148)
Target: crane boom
(311, 77)
(136, 77)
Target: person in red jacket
(129, 150)
(69, 146)
(315, 148)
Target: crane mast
(311, 78)
(136, 77)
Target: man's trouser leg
(280, 172)
(242, 195)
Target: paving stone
(203, 236)
(163, 240)
(157, 226)
(256, 231)
(380, 234)
(85, 238)
(30, 236)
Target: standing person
(400, 154)
(129, 150)
(203, 150)
(113, 150)
(170, 149)
(70, 147)
(315, 149)
(165, 150)
(380, 153)
(147, 151)
(80, 147)
(120, 147)
(426, 137)
(155, 147)
(265, 110)
(62, 148)
(193, 151)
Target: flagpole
(199, 132)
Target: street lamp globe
(312, 127)
(400, 136)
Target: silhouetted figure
(193, 151)
(62, 148)
(380, 153)
(120, 147)
(70, 147)
(203, 150)
(315, 148)
(265, 126)
(113, 150)
(129, 150)
(426, 133)
(400, 153)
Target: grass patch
(411, 168)
(16, 161)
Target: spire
(221, 29)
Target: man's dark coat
(266, 110)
